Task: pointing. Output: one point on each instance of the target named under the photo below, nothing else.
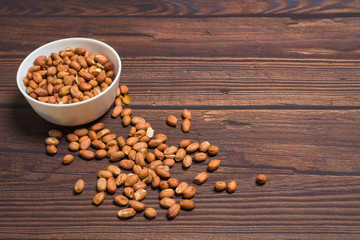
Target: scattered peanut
(231, 186)
(261, 179)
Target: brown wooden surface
(275, 84)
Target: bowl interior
(93, 46)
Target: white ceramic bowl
(75, 113)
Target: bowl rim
(19, 79)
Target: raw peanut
(118, 102)
(121, 200)
(138, 206)
(213, 150)
(98, 198)
(126, 213)
(81, 132)
(167, 202)
(126, 99)
(187, 161)
(139, 159)
(87, 154)
(140, 126)
(121, 141)
(139, 185)
(140, 194)
(97, 144)
(162, 173)
(126, 120)
(155, 142)
(102, 133)
(150, 213)
(150, 157)
(104, 174)
(139, 134)
(161, 136)
(164, 185)
(189, 192)
(155, 182)
(144, 173)
(171, 121)
(132, 155)
(137, 169)
(74, 146)
(79, 186)
(139, 145)
(199, 157)
(193, 147)
(131, 141)
(101, 185)
(129, 192)
(136, 120)
(126, 112)
(220, 186)
(36, 76)
(85, 143)
(120, 180)
(80, 51)
(158, 154)
(204, 146)
(132, 131)
(52, 141)
(261, 179)
(111, 185)
(186, 114)
(173, 211)
(181, 187)
(201, 178)
(108, 66)
(127, 164)
(55, 133)
(126, 149)
(108, 138)
(41, 92)
(68, 158)
(72, 137)
(213, 165)
(117, 111)
(114, 170)
(170, 162)
(173, 182)
(169, 193)
(145, 138)
(98, 126)
(162, 147)
(111, 151)
(124, 89)
(131, 180)
(88, 76)
(180, 154)
(147, 180)
(170, 150)
(184, 143)
(187, 204)
(92, 135)
(101, 59)
(231, 186)
(185, 126)
(117, 156)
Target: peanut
(128, 192)
(101, 185)
(68, 159)
(199, 157)
(127, 164)
(104, 174)
(185, 126)
(98, 198)
(87, 154)
(140, 194)
(55, 133)
(126, 213)
(173, 182)
(120, 180)
(169, 193)
(121, 200)
(261, 179)
(184, 143)
(204, 146)
(220, 186)
(164, 185)
(100, 154)
(187, 204)
(187, 161)
(173, 211)
(74, 146)
(138, 206)
(181, 187)
(111, 185)
(52, 141)
(201, 178)
(213, 150)
(139, 185)
(193, 147)
(231, 186)
(167, 202)
(51, 149)
(213, 165)
(189, 192)
(150, 213)
(79, 186)
(171, 121)
(162, 173)
(180, 154)
(186, 114)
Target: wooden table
(274, 84)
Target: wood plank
(194, 38)
(310, 158)
(174, 8)
(226, 83)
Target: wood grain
(172, 8)
(313, 180)
(273, 83)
